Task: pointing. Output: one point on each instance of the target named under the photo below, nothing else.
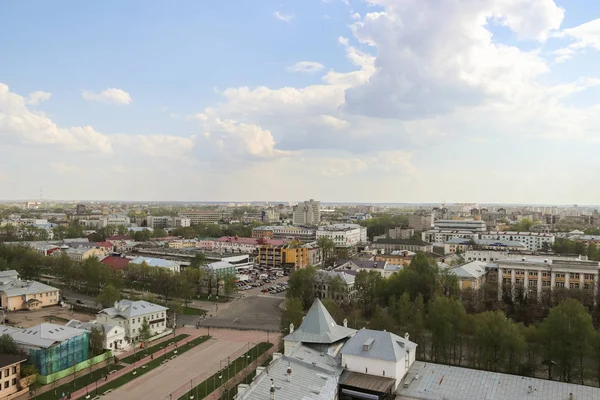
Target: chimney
(291, 328)
(272, 390)
(571, 396)
(406, 336)
(289, 373)
(345, 322)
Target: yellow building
(182, 244)
(16, 294)
(10, 376)
(80, 254)
(402, 257)
(287, 256)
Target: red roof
(119, 237)
(116, 263)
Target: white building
(442, 236)
(533, 240)
(114, 335)
(163, 222)
(172, 266)
(114, 219)
(307, 213)
(202, 216)
(131, 314)
(377, 353)
(344, 235)
(460, 225)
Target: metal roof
(377, 345)
(46, 334)
(473, 270)
(9, 273)
(319, 327)
(19, 288)
(128, 309)
(154, 262)
(438, 382)
(313, 377)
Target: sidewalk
(81, 393)
(68, 379)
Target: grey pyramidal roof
(378, 345)
(319, 327)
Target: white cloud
(306, 67)
(285, 17)
(109, 96)
(586, 36)
(36, 98)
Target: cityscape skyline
(205, 102)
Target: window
(6, 372)
(6, 384)
(14, 381)
(14, 370)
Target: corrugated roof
(473, 270)
(46, 334)
(381, 345)
(319, 327)
(20, 288)
(154, 262)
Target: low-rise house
(116, 263)
(10, 374)
(341, 291)
(114, 335)
(131, 314)
(172, 266)
(471, 275)
(17, 294)
(221, 268)
(397, 257)
(52, 348)
(82, 253)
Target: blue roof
(154, 262)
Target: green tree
(145, 332)
(97, 340)
(109, 295)
(292, 312)
(327, 247)
(228, 284)
(447, 322)
(198, 260)
(367, 285)
(302, 286)
(566, 335)
(159, 233)
(498, 340)
(8, 345)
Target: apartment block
(420, 221)
(307, 213)
(344, 235)
(533, 240)
(202, 216)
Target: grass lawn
(152, 349)
(193, 311)
(213, 382)
(79, 383)
(152, 364)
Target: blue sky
(414, 101)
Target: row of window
(11, 383)
(547, 283)
(7, 371)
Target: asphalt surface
(259, 312)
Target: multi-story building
(307, 213)
(16, 294)
(389, 245)
(202, 216)
(471, 275)
(221, 268)
(290, 256)
(536, 273)
(114, 335)
(235, 244)
(344, 235)
(343, 291)
(397, 257)
(81, 210)
(131, 315)
(420, 221)
(443, 236)
(270, 215)
(304, 234)
(462, 245)
(460, 225)
(533, 240)
(163, 222)
(182, 244)
(114, 219)
(401, 232)
(10, 375)
(158, 222)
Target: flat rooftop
(439, 382)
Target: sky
(490, 101)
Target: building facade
(420, 221)
(533, 240)
(460, 225)
(131, 315)
(10, 374)
(202, 216)
(443, 236)
(389, 245)
(344, 235)
(16, 294)
(307, 213)
(401, 232)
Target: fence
(45, 379)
